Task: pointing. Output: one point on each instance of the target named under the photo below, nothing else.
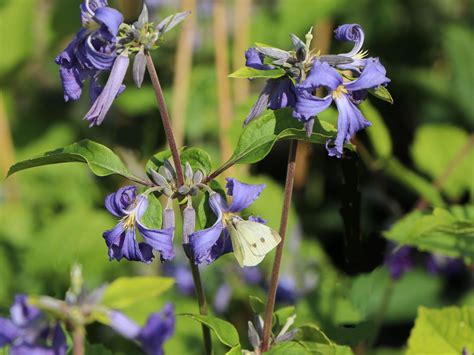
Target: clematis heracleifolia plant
(295, 78)
(104, 44)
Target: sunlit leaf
(442, 331)
(247, 72)
(126, 291)
(100, 159)
(450, 233)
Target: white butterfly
(251, 241)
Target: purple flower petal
(114, 240)
(160, 240)
(103, 103)
(110, 20)
(308, 106)
(321, 74)
(254, 59)
(159, 328)
(372, 76)
(22, 313)
(351, 33)
(350, 120)
(203, 241)
(399, 262)
(281, 93)
(8, 331)
(131, 250)
(123, 325)
(222, 298)
(118, 202)
(243, 195)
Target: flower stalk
(290, 177)
(165, 118)
(78, 340)
(200, 294)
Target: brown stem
(441, 180)
(165, 118)
(290, 177)
(78, 337)
(179, 172)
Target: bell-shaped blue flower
(29, 332)
(92, 50)
(278, 93)
(345, 94)
(209, 244)
(159, 327)
(122, 240)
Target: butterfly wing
(242, 251)
(260, 238)
(252, 241)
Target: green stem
(201, 297)
(290, 177)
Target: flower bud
(189, 222)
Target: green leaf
(259, 136)
(257, 305)
(289, 347)
(100, 159)
(434, 149)
(198, 158)
(153, 216)
(442, 331)
(247, 72)
(312, 333)
(97, 349)
(444, 232)
(414, 182)
(204, 213)
(378, 132)
(326, 349)
(225, 331)
(157, 160)
(367, 291)
(382, 93)
(281, 315)
(126, 291)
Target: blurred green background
(53, 216)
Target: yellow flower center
(129, 221)
(340, 90)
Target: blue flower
(28, 331)
(103, 98)
(400, 261)
(121, 240)
(345, 94)
(92, 50)
(278, 93)
(159, 327)
(222, 298)
(352, 33)
(209, 244)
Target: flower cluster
(346, 78)
(250, 240)
(29, 331)
(103, 45)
